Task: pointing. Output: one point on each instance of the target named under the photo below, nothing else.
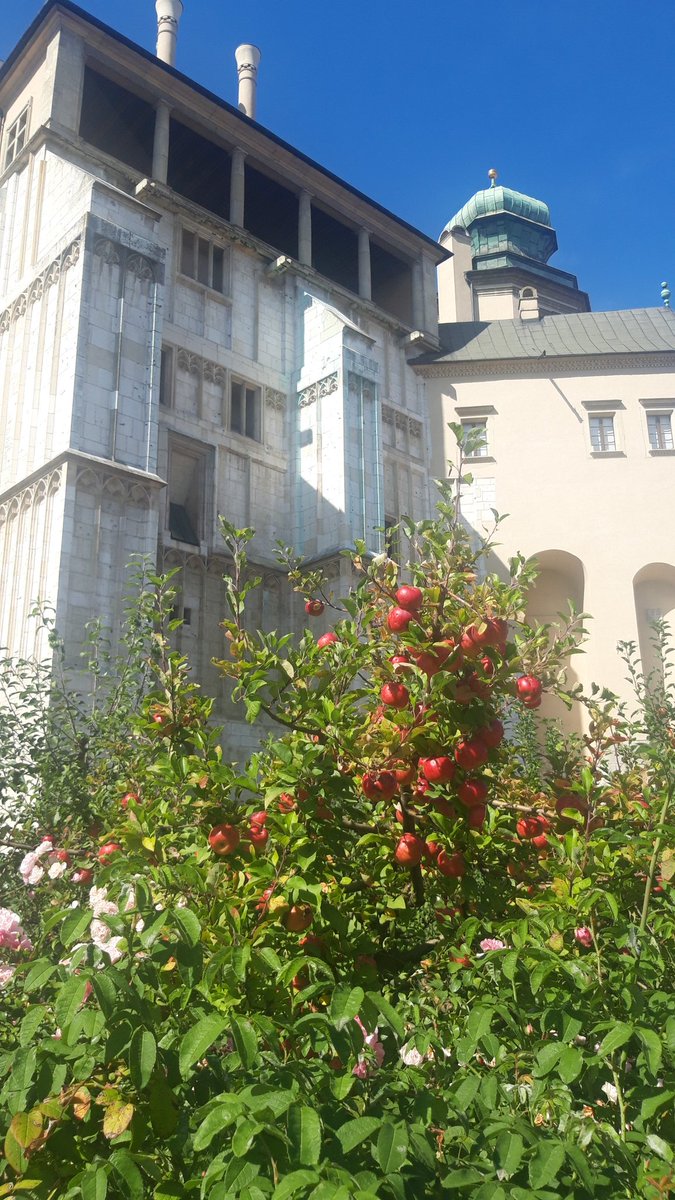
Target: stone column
(365, 283)
(305, 229)
(237, 179)
(169, 13)
(160, 149)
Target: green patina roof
(492, 200)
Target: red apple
(529, 688)
(533, 829)
(404, 773)
(409, 850)
(470, 753)
(286, 803)
(84, 876)
(429, 663)
(451, 654)
(124, 802)
(327, 639)
(442, 806)
(470, 641)
(410, 598)
(488, 666)
(492, 735)
(106, 852)
(398, 619)
(258, 818)
(224, 839)
(452, 865)
(400, 662)
(437, 770)
(395, 695)
(299, 918)
(498, 631)
(431, 850)
(472, 792)
(323, 812)
(314, 608)
(259, 835)
(379, 785)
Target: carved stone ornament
(141, 267)
(275, 399)
(107, 250)
(320, 389)
(101, 482)
(39, 285)
(195, 365)
(29, 496)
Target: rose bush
(395, 954)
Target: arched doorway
(560, 582)
(654, 593)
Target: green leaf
(244, 1136)
(509, 964)
(188, 925)
(547, 1058)
(391, 1150)
(548, 1160)
(571, 1062)
(245, 1041)
(466, 1092)
(163, 1111)
(23, 1070)
(653, 1103)
(30, 1024)
(422, 1151)
(94, 1185)
(75, 925)
(651, 1045)
(465, 1177)
(658, 1146)
(578, 1159)
(105, 992)
(168, 1190)
(241, 957)
(479, 1022)
(293, 1183)
(26, 1128)
(69, 1000)
(304, 1130)
(219, 1118)
(357, 1130)
(132, 1180)
(341, 1085)
(509, 1152)
(345, 1004)
(38, 975)
(142, 1057)
(618, 1036)
(387, 1010)
(198, 1040)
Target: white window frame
(17, 136)
(210, 262)
(596, 425)
(472, 416)
(604, 410)
(254, 391)
(663, 409)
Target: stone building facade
(194, 319)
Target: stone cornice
(36, 289)
(548, 365)
(133, 475)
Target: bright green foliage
(302, 1016)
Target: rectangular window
(603, 440)
(660, 431)
(201, 260)
(245, 409)
(16, 137)
(186, 495)
(477, 439)
(166, 378)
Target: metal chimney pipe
(169, 13)
(247, 59)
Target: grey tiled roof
(627, 331)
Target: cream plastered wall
(613, 512)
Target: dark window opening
(392, 546)
(271, 212)
(166, 377)
(199, 169)
(117, 122)
(245, 410)
(391, 280)
(335, 250)
(186, 496)
(201, 260)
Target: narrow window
(245, 410)
(16, 137)
(166, 378)
(392, 546)
(660, 431)
(186, 496)
(203, 261)
(602, 434)
(476, 445)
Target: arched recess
(560, 581)
(654, 594)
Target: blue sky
(412, 103)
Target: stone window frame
(662, 409)
(472, 416)
(213, 279)
(203, 459)
(236, 380)
(17, 136)
(604, 410)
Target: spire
(493, 176)
(665, 294)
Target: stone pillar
(305, 229)
(417, 296)
(247, 58)
(365, 283)
(237, 188)
(160, 149)
(169, 13)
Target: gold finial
(493, 175)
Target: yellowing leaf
(149, 843)
(117, 1118)
(81, 1103)
(170, 964)
(668, 865)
